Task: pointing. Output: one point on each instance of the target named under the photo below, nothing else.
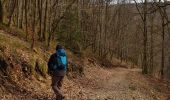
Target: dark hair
(58, 47)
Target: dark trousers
(56, 85)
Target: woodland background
(132, 31)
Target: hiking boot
(60, 97)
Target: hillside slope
(23, 77)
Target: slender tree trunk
(163, 44)
(26, 20)
(45, 21)
(1, 12)
(40, 18)
(105, 29)
(145, 65)
(17, 15)
(151, 53)
(100, 30)
(49, 24)
(22, 14)
(33, 26)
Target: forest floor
(98, 83)
(120, 84)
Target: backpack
(61, 59)
(58, 61)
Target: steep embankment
(22, 77)
(19, 68)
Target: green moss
(37, 65)
(41, 67)
(32, 63)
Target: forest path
(120, 84)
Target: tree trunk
(33, 26)
(12, 9)
(45, 21)
(145, 65)
(1, 12)
(26, 20)
(22, 15)
(163, 44)
(40, 18)
(17, 15)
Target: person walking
(57, 66)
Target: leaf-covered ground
(120, 84)
(97, 83)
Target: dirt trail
(119, 84)
(99, 84)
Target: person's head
(58, 47)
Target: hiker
(57, 67)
